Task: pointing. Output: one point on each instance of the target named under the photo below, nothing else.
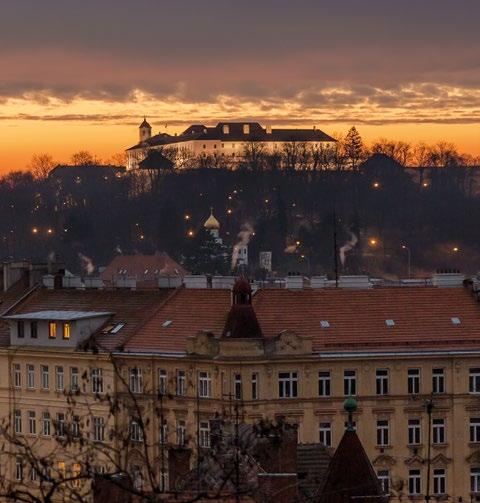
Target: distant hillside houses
(225, 140)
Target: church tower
(145, 131)
(212, 225)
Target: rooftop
(58, 315)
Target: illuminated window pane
(52, 330)
(66, 330)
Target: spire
(145, 130)
(211, 222)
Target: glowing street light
(425, 185)
(298, 243)
(229, 211)
(190, 233)
(35, 230)
(373, 241)
(376, 185)
(455, 249)
(187, 217)
(49, 231)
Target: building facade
(183, 357)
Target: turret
(145, 131)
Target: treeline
(378, 211)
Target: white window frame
(181, 432)
(32, 422)
(30, 376)
(136, 382)
(324, 383)
(163, 433)
(383, 432)
(74, 383)
(414, 432)
(255, 386)
(17, 375)
(475, 429)
(384, 479)
(382, 382)
(439, 481)
(136, 434)
(204, 434)
(17, 421)
(45, 377)
(181, 388)
(98, 429)
(288, 385)
(237, 386)
(350, 382)
(325, 433)
(204, 384)
(97, 380)
(438, 431)
(475, 480)
(474, 380)
(438, 381)
(414, 482)
(59, 378)
(162, 382)
(18, 468)
(413, 381)
(46, 424)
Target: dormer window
(52, 330)
(34, 330)
(20, 329)
(226, 129)
(66, 331)
(246, 129)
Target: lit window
(52, 330)
(66, 331)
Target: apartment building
(182, 357)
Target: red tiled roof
(357, 318)
(146, 268)
(189, 310)
(131, 307)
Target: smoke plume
(243, 238)
(348, 246)
(87, 263)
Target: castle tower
(145, 131)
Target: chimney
(246, 129)
(448, 279)
(268, 129)
(294, 282)
(169, 281)
(314, 128)
(318, 281)
(355, 282)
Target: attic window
(455, 320)
(389, 323)
(117, 328)
(145, 272)
(166, 323)
(324, 323)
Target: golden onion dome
(211, 222)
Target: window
(414, 482)
(350, 383)
(17, 375)
(30, 376)
(325, 434)
(32, 422)
(45, 377)
(33, 474)
(475, 480)
(204, 438)
(181, 432)
(246, 129)
(438, 431)
(384, 479)
(439, 481)
(382, 432)
(61, 469)
(413, 383)
(46, 425)
(76, 471)
(34, 330)
(474, 380)
(52, 330)
(287, 384)
(438, 381)
(137, 477)
(474, 429)
(20, 329)
(237, 385)
(136, 380)
(59, 378)
(324, 383)
(162, 382)
(181, 383)
(17, 423)
(98, 429)
(255, 394)
(204, 385)
(66, 331)
(18, 468)
(381, 379)
(76, 426)
(97, 381)
(74, 386)
(163, 479)
(135, 431)
(60, 425)
(163, 433)
(414, 431)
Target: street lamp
(405, 247)
(373, 242)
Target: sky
(81, 75)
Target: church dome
(211, 222)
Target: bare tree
(84, 158)
(41, 165)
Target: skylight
(389, 323)
(324, 323)
(117, 328)
(455, 320)
(166, 323)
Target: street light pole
(405, 247)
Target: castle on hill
(226, 139)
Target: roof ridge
(21, 299)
